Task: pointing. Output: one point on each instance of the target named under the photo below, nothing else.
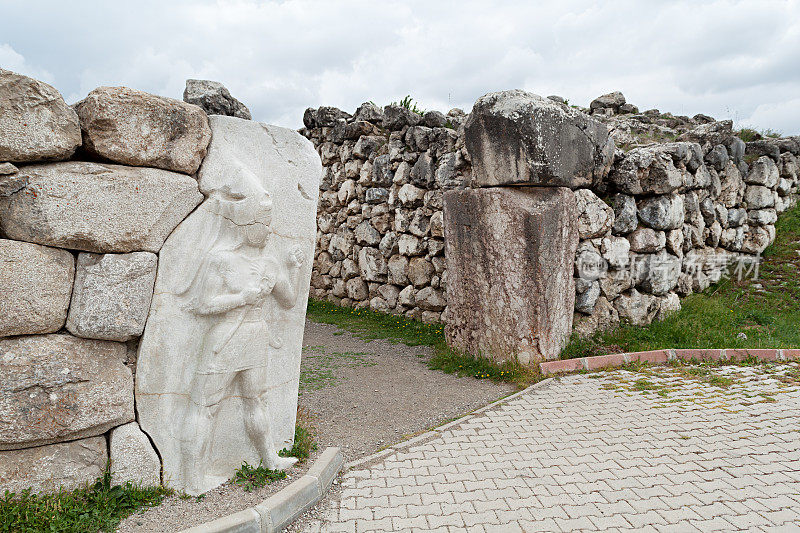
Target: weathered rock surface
(141, 129)
(515, 137)
(35, 288)
(112, 295)
(67, 465)
(57, 387)
(611, 100)
(595, 218)
(35, 122)
(230, 296)
(214, 98)
(97, 207)
(133, 457)
(510, 254)
(647, 170)
(662, 212)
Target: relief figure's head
(253, 215)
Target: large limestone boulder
(141, 129)
(97, 207)
(214, 98)
(57, 387)
(35, 286)
(133, 457)
(648, 170)
(219, 360)
(510, 286)
(66, 465)
(112, 295)
(35, 122)
(516, 137)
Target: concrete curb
(281, 509)
(435, 432)
(662, 357)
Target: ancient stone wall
(664, 208)
(686, 202)
(380, 240)
(88, 196)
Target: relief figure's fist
(251, 294)
(296, 258)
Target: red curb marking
(662, 356)
(600, 361)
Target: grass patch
(452, 362)
(99, 507)
(369, 325)
(767, 310)
(251, 478)
(304, 443)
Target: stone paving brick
(593, 452)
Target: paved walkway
(663, 449)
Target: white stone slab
(213, 326)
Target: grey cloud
(725, 58)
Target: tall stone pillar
(511, 240)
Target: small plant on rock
(409, 104)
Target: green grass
(251, 478)
(369, 325)
(409, 104)
(748, 135)
(712, 319)
(99, 507)
(304, 444)
(318, 371)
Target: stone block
(519, 138)
(57, 387)
(144, 130)
(35, 122)
(112, 295)
(510, 258)
(66, 465)
(133, 457)
(98, 207)
(35, 286)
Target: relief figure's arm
(287, 288)
(214, 299)
(221, 304)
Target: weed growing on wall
(409, 104)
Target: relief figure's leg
(207, 392)
(253, 383)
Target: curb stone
(281, 509)
(433, 433)
(598, 362)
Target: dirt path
(362, 396)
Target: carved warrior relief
(219, 362)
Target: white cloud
(730, 59)
(12, 60)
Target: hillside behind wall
(683, 198)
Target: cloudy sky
(729, 59)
